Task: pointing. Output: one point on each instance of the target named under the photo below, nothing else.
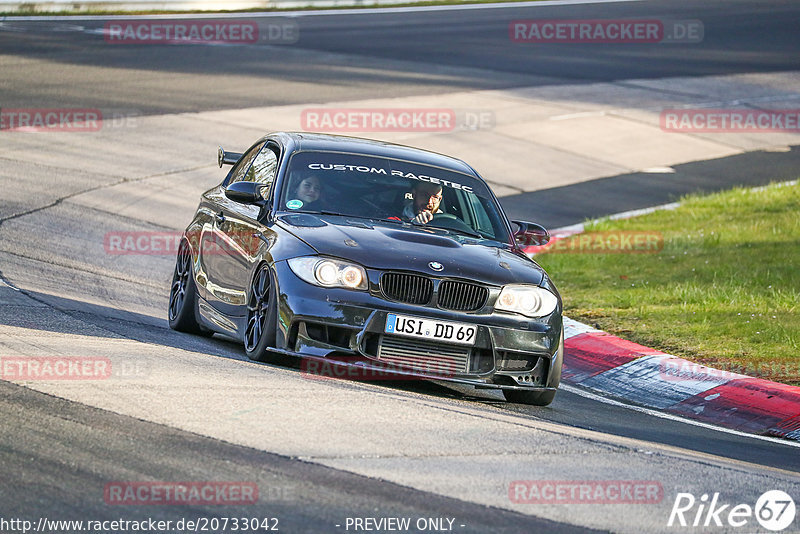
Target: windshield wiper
(336, 213)
(395, 221)
(399, 221)
(462, 232)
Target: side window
(244, 164)
(482, 221)
(264, 167)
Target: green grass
(724, 291)
(364, 4)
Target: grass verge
(724, 290)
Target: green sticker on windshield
(294, 204)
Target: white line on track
(314, 13)
(655, 413)
(578, 228)
(579, 115)
(7, 284)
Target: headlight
(328, 272)
(532, 301)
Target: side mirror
(531, 234)
(245, 192)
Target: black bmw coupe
(317, 246)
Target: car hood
(391, 246)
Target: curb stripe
(586, 394)
(573, 328)
(645, 382)
(590, 354)
(598, 361)
(747, 404)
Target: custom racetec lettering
(358, 168)
(393, 172)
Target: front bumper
(346, 327)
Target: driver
(425, 201)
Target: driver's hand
(423, 217)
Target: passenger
(309, 192)
(425, 201)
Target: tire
(534, 398)
(261, 327)
(182, 311)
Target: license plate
(446, 331)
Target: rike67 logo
(774, 510)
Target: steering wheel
(448, 221)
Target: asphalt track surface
(365, 55)
(55, 453)
(304, 497)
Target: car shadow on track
(63, 315)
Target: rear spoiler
(227, 158)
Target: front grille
(408, 288)
(424, 356)
(461, 296)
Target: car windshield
(383, 189)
